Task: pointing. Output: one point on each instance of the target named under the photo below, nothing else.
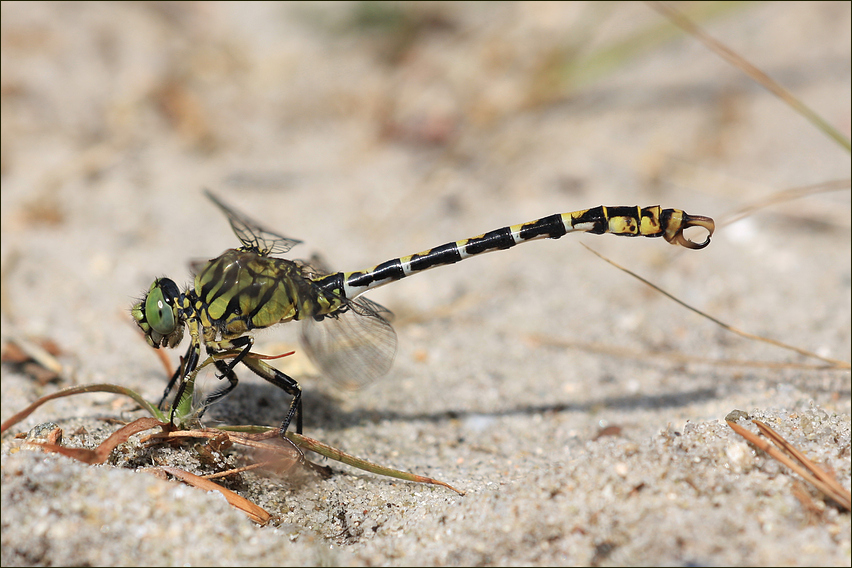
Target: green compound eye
(159, 313)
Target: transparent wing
(316, 267)
(196, 265)
(353, 348)
(253, 236)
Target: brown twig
(808, 470)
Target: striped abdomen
(626, 221)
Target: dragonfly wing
(316, 267)
(251, 234)
(354, 347)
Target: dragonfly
(347, 336)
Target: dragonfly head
(157, 314)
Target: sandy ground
(371, 132)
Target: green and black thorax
(241, 290)
(233, 294)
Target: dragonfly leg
(244, 344)
(187, 366)
(178, 372)
(226, 369)
(262, 370)
(227, 373)
(285, 383)
(169, 388)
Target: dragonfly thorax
(242, 290)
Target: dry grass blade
(266, 441)
(838, 493)
(70, 391)
(269, 444)
(254, 441)
(784, 196)
(237, 470)
(100, 454)
(756, 74)
(671, 356)
(335, 454)
(38, 350)
(834, 363)
(812, 473)
(254, 512)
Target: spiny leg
(187, 366)
(169, 387)
(244, 344)
(227, 373)
(285, 383)
(261, 369)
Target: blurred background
(371, 130)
